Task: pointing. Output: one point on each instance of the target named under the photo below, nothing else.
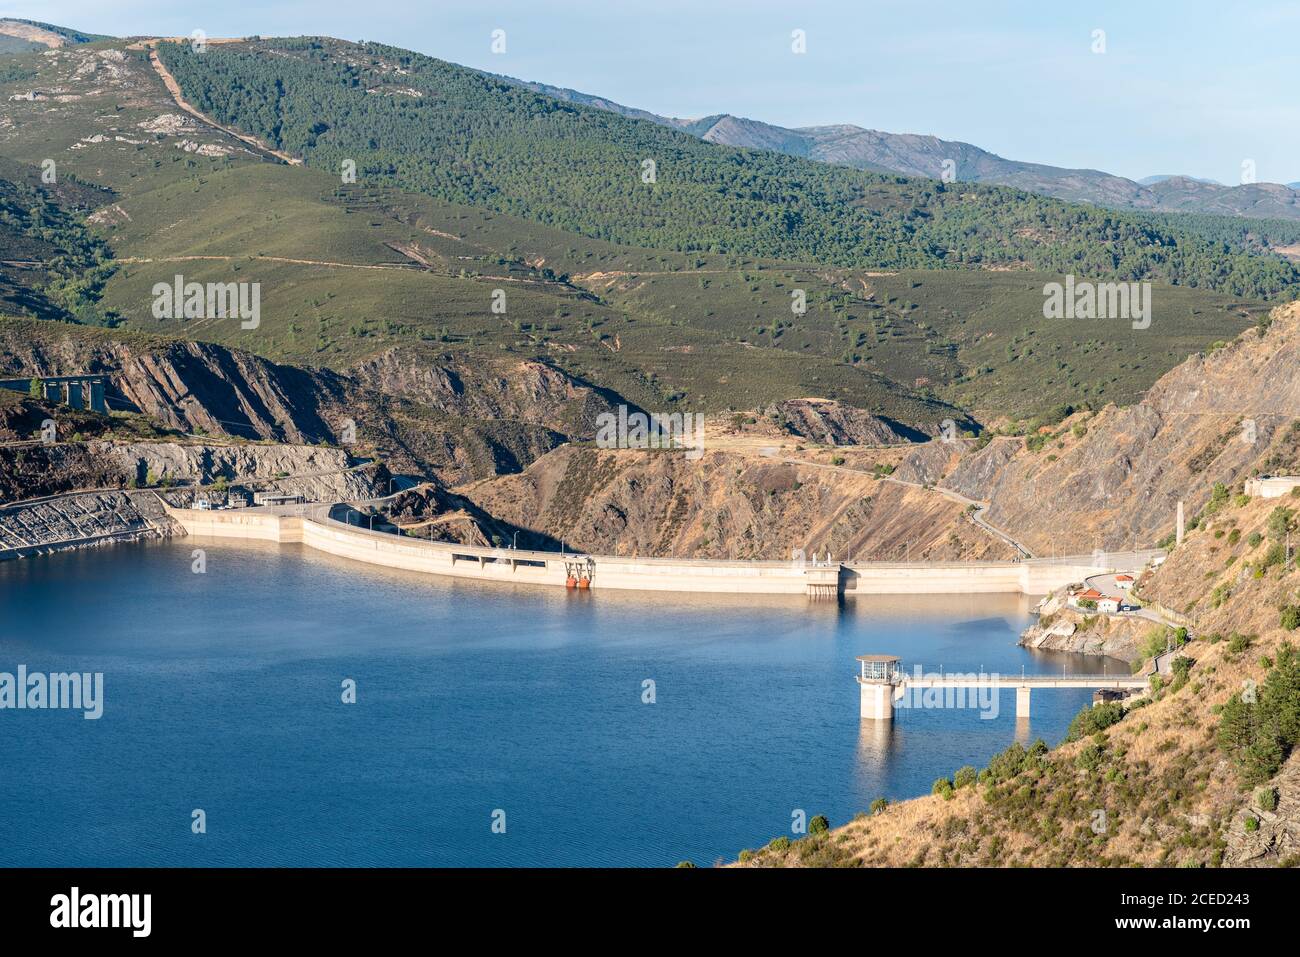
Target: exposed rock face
(428, 511)
(1061, 627)
(32, 471)
(1277, 836)
(196, 386)
(184, 385)
(727, 505)
(516, 390)
(82, 521)
(318, 473)
(929, 462)
(834, 423)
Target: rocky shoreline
(1062, 627)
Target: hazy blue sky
(1183, 87)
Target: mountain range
(912, 154)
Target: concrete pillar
(1022, 702)
(54, 391)
(74, 395)
(1178, 535)
(877, 700)
(97, 403)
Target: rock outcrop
(90, 520)
(1274, 838)
(830, 422)
(203, 388)
(1061, 627)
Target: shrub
(1290, 618)
(1239, 643)
(878, 805)
(1091, 757)
(685, 864)
(1254, 539)
(943, 787)
(1252, 824)
(819, 825)
(1266, 799)
(1234, 536)
(964, 777)
(746, 856)
(1091, 720)
(779, 844)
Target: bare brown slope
(1118, 485)
(729, 504)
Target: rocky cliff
(204, 388)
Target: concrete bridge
(74, 391)
(882, 681)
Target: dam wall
(314, 527)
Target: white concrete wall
(313, 528)
(1274, 487)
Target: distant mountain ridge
(913, 154)
(19, 36)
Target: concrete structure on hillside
(75, 391)
(1272, 486)
(325, 527)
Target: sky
(1192, 87)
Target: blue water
(223, 693)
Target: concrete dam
(316, 526)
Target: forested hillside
(460, 135)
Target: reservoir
(475, 702)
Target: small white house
(1124, 581)
(1108, 604)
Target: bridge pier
(877, 701)
(1022, 701)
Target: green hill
(349, 272)
(414, 122)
